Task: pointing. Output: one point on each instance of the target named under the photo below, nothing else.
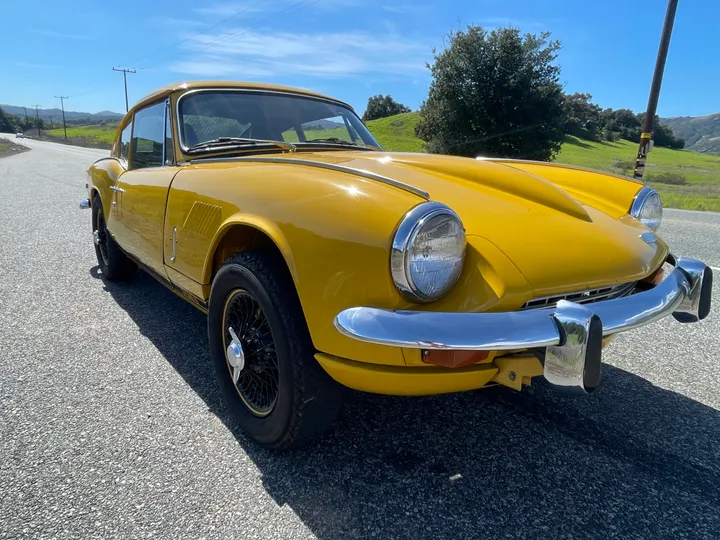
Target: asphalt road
(111, 424)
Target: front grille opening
(582, 297)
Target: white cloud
(235, 8)
(230, 9)
(166, 22)
(52, 33)
(26, 64)
(323, 55)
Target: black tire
(114, 264)
(307, 399)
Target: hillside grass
(397, 133)
(98, 134)
(701, 171)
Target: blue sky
(351, 49)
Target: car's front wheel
(113, 263)
(263, 356)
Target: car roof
(193, 85)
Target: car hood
(558, 242)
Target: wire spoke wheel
(257, 382)
(100, 237)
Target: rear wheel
(263, 356)
(114, 264)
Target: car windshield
(221, 114)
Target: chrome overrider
(570, 334)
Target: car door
(141, 192)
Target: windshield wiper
(340, 142)
(333, 140)
(239, 141)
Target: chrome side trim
(515, 330)
(119, 190)
(321, 165)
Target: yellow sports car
(324, 261)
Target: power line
(125, 72)
(274, 16)
(205, 30)
(62, 106)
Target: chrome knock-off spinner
(235, 355)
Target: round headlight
(428, 252)
(647, 207)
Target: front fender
(101, 175)
(264, 226)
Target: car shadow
(630, 460)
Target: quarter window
(169, 157)
(125, 141)
(147, 141)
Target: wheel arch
(241, 233)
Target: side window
(169, 157)
(125, 141)
(290, 135)
(148, 135)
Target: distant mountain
(56, 114)
(701, 133)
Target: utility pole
(26, 118)
(62, 106)
(125, 72)
(37, 120)
(647, 127)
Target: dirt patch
(10, 148)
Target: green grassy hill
(665, 170)
(684, 179)
(397, 133)
(101, 134)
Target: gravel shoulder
(10, 148)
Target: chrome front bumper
(570, 333)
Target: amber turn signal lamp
(657, 277)
(454, 359)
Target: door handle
(119, 190)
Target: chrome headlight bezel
(408, 229)
(645, 196)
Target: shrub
(626, 166)
(495, 94)
(668, 178)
